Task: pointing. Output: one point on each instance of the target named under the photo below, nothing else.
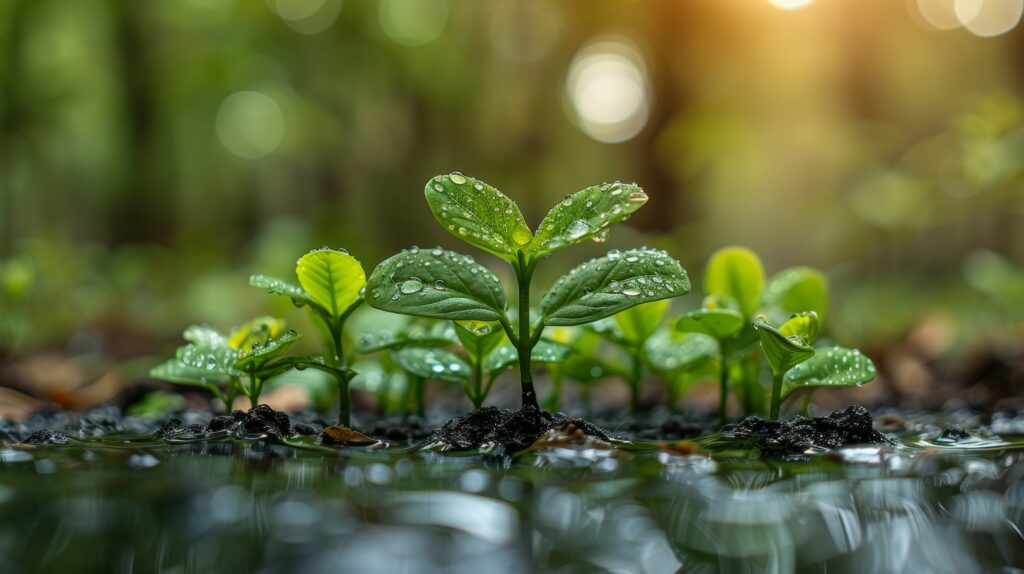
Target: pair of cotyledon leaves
(446, 285)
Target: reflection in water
(260, 507)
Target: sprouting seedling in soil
(630, 331)
(785, 348)
(444, 285)
(680, 359)
(423, 363)
(330, 285)
(220, 363)
(721, 324)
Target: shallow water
(924, 505)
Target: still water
(132, 505)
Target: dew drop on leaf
(457, 178)
(439, 285)
(631, 292)
(521, 235)
(578, 228)
(436, 252)
(410, 286)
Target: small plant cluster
(463, 329)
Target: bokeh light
(413, 22)
(307, 16)
(608, 89)
(250, 124)
(987, 18)
(790, 4)
(940, 14)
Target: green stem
(524, 274)
(723, 380)
(636, 376)
(776, 395)
(255, 387)
(478, 380)
(344, 398)
(229, 398)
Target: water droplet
(631, 292)
(521, 235)
(637, 196)
(463, 231)
(578, 229)
(414, 249)
(437, 368)
(588, 290)
(436, 252)
(439, 285)
(478, 186)
(438, 187)
(632, 259)
(614, 287)
(457, 178)
(616, 190)
(410, 286)
(395, 296)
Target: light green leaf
(801, 325)
(332, 279)
(175, 371)
(830, 367)
(587, 369)
(669, 354)
(205, 337)
(479, 337)
(637, 323)
(437, 364)
(478, 214)
(736, 272)
(506, 356)
(436, 283)
(719, 323)
(258, 330)
(586, 214)
(608, 285)
(783, 352)
(256, 355)
(282, 287)
(798, 289)
(435, 335)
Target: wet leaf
(258, 330)
(205, 337)
(783, 352)
(798, 289)
(608, 285)
(587, 369)
(736, 272)
(344, 436)
(436, 283)
(479, 337)
(478, 214)
(586, 215)
(434, 335)
(638, 323)
(332, 279)
(506, 356)
(257, 354)
(718, 323)
(801, 325)
(281, 287)
(207, 361)
(830, 367)
(436, 364)
(668, 353)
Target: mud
(508, 431)
(800, 434)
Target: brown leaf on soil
(344, 436)
(570, 436)
(680, 447)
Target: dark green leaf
(437, 364)
(830, 367)
(436, 283)
(603, 287)
(478, 214)
(435, 335)
(668, 354)
(333, 279)
(281, 287)
(736, 272)
(478, 337)
(506, 356)
(783, 352)
(586, 214)
(258, 354)
(718, 323)
(589, 369)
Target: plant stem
(723, 379)
(636, 375)
(478, 391)
(776, 395)
(344, 400)
(524, 274)
(255, 386)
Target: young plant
(721, 324)
(218, 363)
(331, 285)
(630, 331)
(680, 359)
(444, 285)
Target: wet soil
(491, 428)
(800, 434)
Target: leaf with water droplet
(586, 215)
(206, 361)
(479, 338)
(332, 279)
(258, 330)
(470, 290)
(253, 359)
(433, 335)
(506, 356)
(478, 214)
(608, 285)
(830, 367)
(281, 287)
(803, 325)
(797, 289)
(638, 323)
(435, 364)
(736, 272)
(783, 352)
(719, 323)
(669, 353)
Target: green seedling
(423, 363)
(680, 359)
(331, 285)
(219, 363)
(444, 285)
(721, 324)
(630, 331)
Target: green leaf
(257, 354)
(205, 337)
(437, 364)
(736, 272)
(207, 361)
(801, 325)
(637, 323)
(435, 335)
(506, 356)
(586, 214)
(719, 323)
(436, 283)
(669, 354)
(175, 371)
(478, 214)
(332, 279)
(798, 289)
(587, 369)
(281, 287)
(830, 367)
(603, 287)
(258, 330)
(478, 337)
(783, 352)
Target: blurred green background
(154, 154)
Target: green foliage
(638, 323)
(281, 287)
(801, 326)
(737, 273)
(782, 351)
(830, 367)
(586, 214)
(257, 355)
(333, 279)
(478, 214)
(505, 356)
(437, 364)
(418, 335)
(436, 283)
(718, 323)
(156, 405)
(668, 353)
(797, 289)
(207, 361)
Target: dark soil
(47, 437)
(491, 428)
(799, 434)
(258, 422)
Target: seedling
(721, 324)
(331, 286)
(630, 331)
(445, 285)
(681, 359)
